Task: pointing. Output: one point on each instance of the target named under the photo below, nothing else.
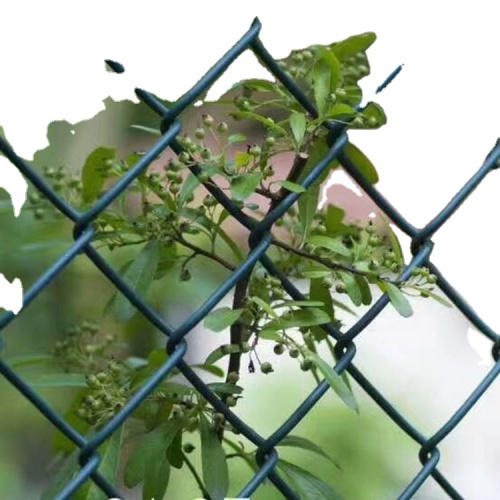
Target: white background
(442, 109)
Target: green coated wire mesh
(259, 242)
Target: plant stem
(328, 263)
(197, 477)
(207, 254)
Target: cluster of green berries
(267, 287)
(421, 276)
(67, 186)
(107, 394)
(83, 347)
(355, 67)
(294, 352)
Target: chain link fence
(259, 242)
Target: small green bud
(208, 120)
(222, 128)
(340, 288)
(254, 150)
(306, 364)
(231, 401)
(341, 93)
(200, 133)
(188, 448)
(39, 213)
(185, 275)
(218, 418)
(184, 157)
(266, 367)
(270, 141)
(245, 347)
(279, 349)
(294, 352)
(174, 188)
(233, 377)
(358, 121)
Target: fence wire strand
(259, 242)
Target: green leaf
(61, 443)
(188, 187)
(321, 78)
(256, 84)
(298, 125)
(110, 453)
(242, 159)
(268, 334)
(316, 272)
(235, 138)
(438, 298)
(393, 239)
(213, 462)
(308, 486)
(339, 110)
(298, 318)
(318, 292)
(374, 110)
(397, 298)
(292, 186)
(304, 303)
(63, 477)
(156, 479)
(220, 352)
(308, 202)
(212, 369)
(58, 380)
(264, 306)
(23, 361)
(362, 163)
(149, 130)
(352, 45)
(151, 449)
(364, 288)
(269, 123)
(222, 388)
(93, 173)
(222, 318)
(333, 221)
(352, 287)
(335, 381)
(138, 276)
(209, 224)
(175, 454)
(331, 244)
(244, 185)
(166, 261)
(305, 444)
(333, 64)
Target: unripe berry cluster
(83, 347)
(107, 395)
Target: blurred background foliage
(369, 448)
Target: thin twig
(197, 477)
